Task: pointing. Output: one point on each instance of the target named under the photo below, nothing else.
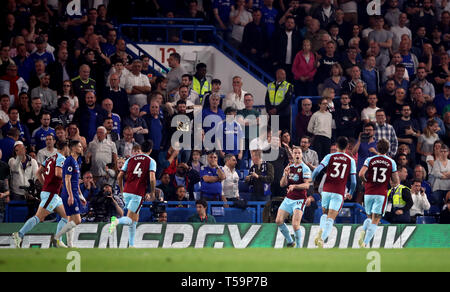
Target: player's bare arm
(120, 180)
(395, 179)
(40, 174)
(284, 181)
(362, 173)
(152, 182)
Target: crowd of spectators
(66, 77)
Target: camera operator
(23, 170)
(105, 206)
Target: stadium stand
(49, 51)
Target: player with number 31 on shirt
(139, 170)
(339, 167)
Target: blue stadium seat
(16, 211)
(425, 220)
(233, 215)
(145, 214)
(179, 214)
(245, 172)
(434, 210)
(241, 175)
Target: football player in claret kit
(49, 175)
(339, 167)
(71, 195)
(377, 172)
(297, 178)
(139, 171)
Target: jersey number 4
(137, 170)
(379, 174)
(338, 171)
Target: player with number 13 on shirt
(376, 174)
(139, 170)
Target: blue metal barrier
(218, 42)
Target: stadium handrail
(218, 42)
(152, 59)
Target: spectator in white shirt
(48, 151)
(236, 98)
(230, 186)
(420, 200)
(368, 114)
(137, 85)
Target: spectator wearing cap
(442, 100)
(41, 53)
(48, 96)
(12, 84)
(23, 168)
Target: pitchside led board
(239, 235)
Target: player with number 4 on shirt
(138, 170)
(377, 172)
(339, 167)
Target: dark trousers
(322, 146)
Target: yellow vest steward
(397, 200)
(278, 97)
(200, 90)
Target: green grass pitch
(226, 260)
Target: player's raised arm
(284, 180)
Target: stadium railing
(148, 23)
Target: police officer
(399, 202)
